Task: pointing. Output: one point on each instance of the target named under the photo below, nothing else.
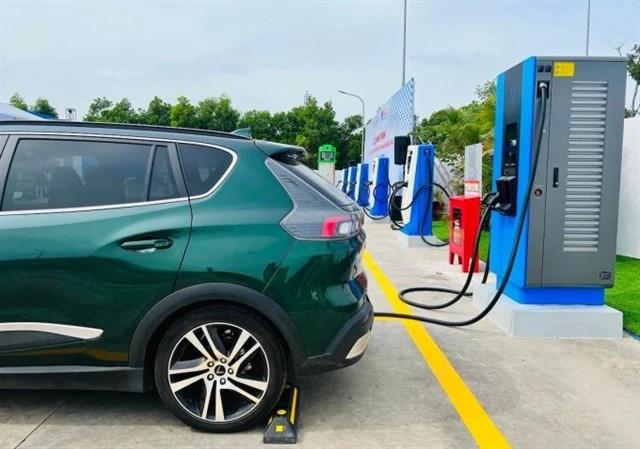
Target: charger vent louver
(585, 166)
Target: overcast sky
(267, 54)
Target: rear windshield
(334, 194)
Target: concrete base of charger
(549, 321)
(415, 241)
(383, 220)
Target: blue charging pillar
(351, 184)
(566, 252)
(345, 180)
(362, 190)
(517, 105)
(380, 187)
(419, 191)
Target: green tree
(122, 112)
(17, 101)
(104, 110)
(261, 124)
(451, 129)
(284, 129)
(42, 106)
(309, 125)
(633, 68)
(158, 113)
(184, 114)
(313, 126)
(218, 114)
(96, 109)
(349, 144)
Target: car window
(163, 184)
(203, 167)
(53, 174)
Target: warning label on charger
(564, 68)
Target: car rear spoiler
(277, 150)
(244, 132)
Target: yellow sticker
(564, 69)
(279, 428)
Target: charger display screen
(510, 151)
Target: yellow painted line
(294, 402)
(475, 418)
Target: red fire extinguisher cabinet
(464, 220)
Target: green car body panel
(83, 278)
(68, 267)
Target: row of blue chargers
(372, 194)
(349, 181)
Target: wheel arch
(152, 326)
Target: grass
(624, 296)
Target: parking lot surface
(439, 388)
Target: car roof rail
(130, 126)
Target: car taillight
(342, 226)
(314, 216)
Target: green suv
(210, 266)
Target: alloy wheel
(218, 372)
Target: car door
(92, 234)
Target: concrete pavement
(549, 393)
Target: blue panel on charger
(554, 295)
(421, 219)
(345, 180)
(498, 246)
(362, 190)
(380, 190)
(351, 189)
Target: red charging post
(464, 220)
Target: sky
(267, 54)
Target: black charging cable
(351, 188)
(489, 200)
(514, 248)
(395, 225)
(437, 244)
(372, 194)
(424, 219)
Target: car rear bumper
(347, 347)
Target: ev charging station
(566, 252)
(417, 200)
(327, 162)
(362, 180)
(344, 186)
(351, 183)
(380, 188)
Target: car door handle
(136, 245)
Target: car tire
(243, 376)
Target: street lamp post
(404, 43)
(588, 25)
(361, 101)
